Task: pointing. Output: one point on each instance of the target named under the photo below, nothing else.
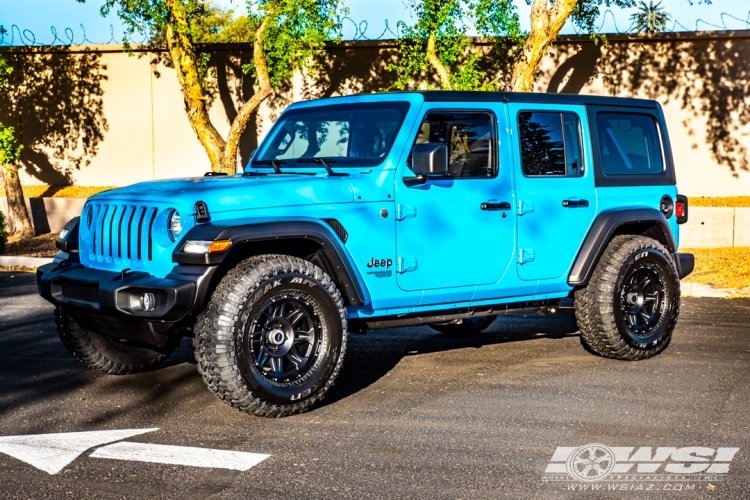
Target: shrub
(3, 232)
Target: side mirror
(429, 160)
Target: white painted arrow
(52, 452)
(180, 455)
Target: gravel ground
(39, 246)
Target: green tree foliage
(438, 42)
(3, 232)
(10, 150)
(650, 18)
(208, 23)
(296, 34)
(286, 35)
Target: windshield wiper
(274, 163)
(325, 163)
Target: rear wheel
(467, 326)
(106, 354)
(629, 308)
(273, 338)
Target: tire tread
(594, 306)
(78, 342)
(214, 333)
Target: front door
(554, 186)
(457, 230)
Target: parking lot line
(52, 452)
(180, 455)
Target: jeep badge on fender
(379, 263)
(267, 270)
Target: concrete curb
(32, 262)
(701, 290)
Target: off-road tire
(230, 333)
(468, 326)
(105, 354)
(604, 310)
(202, 329)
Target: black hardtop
(533, 98)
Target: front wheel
(629, 308)
(273, 338)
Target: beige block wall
(148, 135)
(742, 227)
(708, 228)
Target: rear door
(554, 186)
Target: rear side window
(470, 137)
(550, 144)
(629, 144)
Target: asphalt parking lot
(415, 414)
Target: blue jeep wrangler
(379, 211)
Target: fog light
(148, 301)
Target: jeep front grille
(122, 231)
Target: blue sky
(39, 17)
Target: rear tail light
(681, 209)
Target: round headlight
(174, 225)
(89, 216)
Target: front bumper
(109, 302)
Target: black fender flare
(602, 231)
(248, 231)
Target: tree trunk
(434, 60)
(19, 222)
(546, 24)
(246, 111)
(186, 65)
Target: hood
(227, 193)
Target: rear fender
(644, 221)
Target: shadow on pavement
(371, 356)
(42, 382)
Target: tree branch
(186, 66)
(19, 222)
(546, 24)
(434, 60)
(264, 90)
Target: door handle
(575, 203)
(495, 205)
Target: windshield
(350, 135)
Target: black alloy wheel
(284, 338)
(641, 302)
(272, 340)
